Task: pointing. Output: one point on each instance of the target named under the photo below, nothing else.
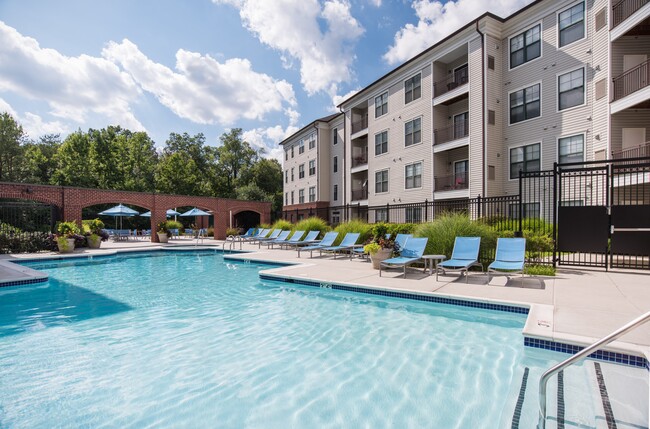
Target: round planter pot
(162, 237)
(94, 242)
(381, 255)
(67, 246)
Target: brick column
(72, 213)
(157, 216)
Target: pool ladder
(234, 239)
(580, 356)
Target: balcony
(453, 182)
(360, 124)
(631, 81)
(359, 194)
(453, 132)
(359, 160)
(454, 81)
(634, 152)
(624, 9)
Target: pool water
(193, 340)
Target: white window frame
(510, 213)
(421, 162)
(375, 104)
(584, 145)
(387, 170)
(541, 46)
(301, 146)
(584, 23)
(412, 209)
(541, 155)
(292, 173)
(407, 122)
(301, 171)
(541, 103)
(453, 123)
(466, 65)
(557, 89)
(383, 217)
(374, 144)
(466, 160)
(404, 84)
(286, 176)
(310, 168)
(301, 196)
(310, 194)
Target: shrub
(162, 228)
(210, 232)
(539, 270)
(443, 231)
(232, 231)
(537, 232)
(283, 225)
(93, 226)
(313, 224)
(264, 226)
(174, 224)
(401, 228)
(379, 230)
(364, 229)
(67, 228)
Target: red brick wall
(71, 201)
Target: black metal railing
(633, 152)
(452, 82)
(359, 194)
(632, 80)
(452, 182)
(358, 160)
(360, 124)
(450, 133)
(624, 9)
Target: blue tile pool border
(24, 282)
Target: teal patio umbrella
(170, 213)
(120, 211)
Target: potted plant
(379, 250)
(95, 234)
(163, 232)
(66, 236)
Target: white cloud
(202, 89)
(268, 139)
(375, 3)
(437, 20)
(33, 125)
(294, 28)
(338, 99)
(73, 87)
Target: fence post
(426, 210)
(555, 208)
(478, 199)
(387, 212)
(521, 205)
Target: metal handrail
(580, 356)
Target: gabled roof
(311, 124)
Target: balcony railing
(453, 182)
(452, 82)
(359, 194)
(358, 160)
(633, 152)
(360, 124)
(624, 9)
(453, 132)
(632, 80)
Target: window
(336, 218)
(312, 194)
(381, 143)
(301, 147)
(412, 89)
(312, 141)
(381, 215)
(286, 176)
(525, 46)
(286, 198)
(413, 214)
(286, 155)
(490, 62)
(525, 104)
(336, 193)
(413, 132)
(336, 164)
(413, 175)
(461, 125)
(572, 203)
(292, 173)
(291, 197)
(312, 167)
(572, 149)
(292, 147)
(571, 89)
(524, 158)
(381, 181)
(381, 105)
(571, 23)
(336, 136)
(461, 168)
(529, 210)
(301, 196)
(301, 171)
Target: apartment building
(313, 168)
(557, 81)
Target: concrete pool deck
(576, 306)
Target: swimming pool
(190, 339)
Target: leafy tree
(137, 160)
(234, 156)
(252, 192)
(72, 162)
(267, 175)
(39, 162)
(11, 138)
(103, 156)
(177, 174)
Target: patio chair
(463, 257)
(280, 238)
(327, 241)
(188, 232)
(295, 238)
(510, 257)
(411, 253)
(173, 233)
(310, 238)
(360, 252)
(249, 233)
(272, 236)
(262, 233)
(347, 244)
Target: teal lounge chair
(249, 233)
(510, 257)
(411, 253)
(280, 238)
(463, 257)
(327, 241)
(309, 239)
(347, 244)
(274, 234)
(295, 238)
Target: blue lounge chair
(279, 239)
(249, 233)
(327, 241)
(347, 244)
(262, 233)
(310, 238)
(411, 253)
(510, 257)
(272, 236)
(295, 238)
(463, 257)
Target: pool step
(588, 395)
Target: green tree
(177, 174)
(137, 159)
(267, 175)
(39, 159)
(11, 138)
(234, 156)
(103, 156)
(72, 162)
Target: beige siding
(600, 108)
(475, 118)
(495, 147)
(630, 118)
(336, 150)
(628, 45)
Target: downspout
(483, 106)
(344, 163)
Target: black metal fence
(26, 226)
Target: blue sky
(266, 66)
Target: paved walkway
(575, 306)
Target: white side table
(431, 262)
